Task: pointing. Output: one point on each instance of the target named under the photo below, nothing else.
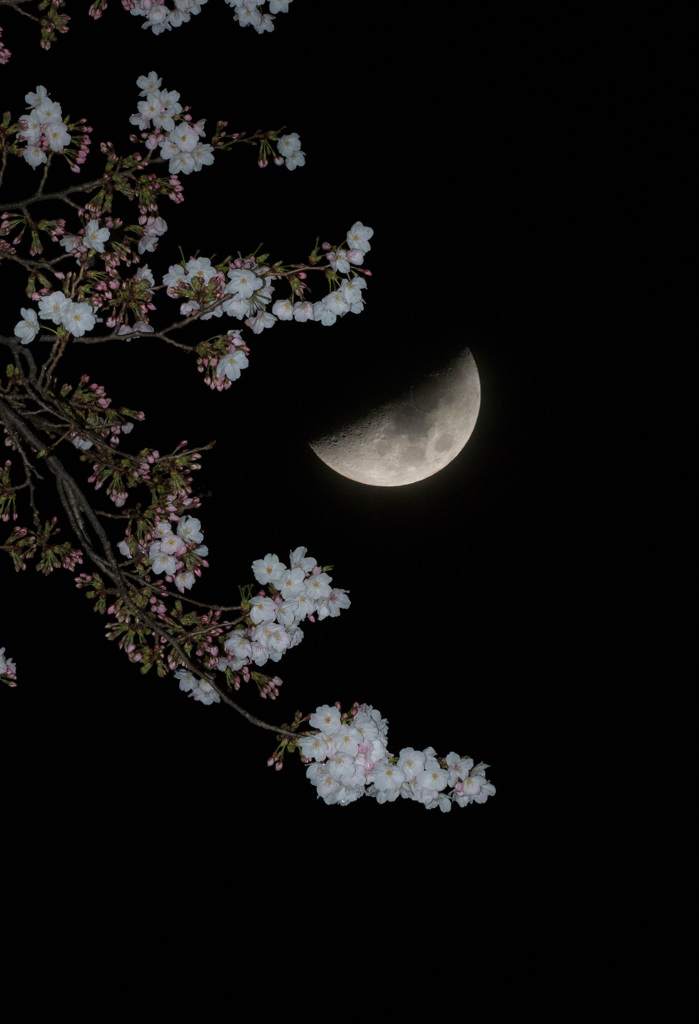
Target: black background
(451, 138)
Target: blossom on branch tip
(358, 237)
(333, 604)
(289, 147)
(149, 83)
(350, 759)
(295, 160)
(298, 559)
(338, 261)
(27, 328)
(351, 291)
(44, 128)
(231, 364)
(289, 144)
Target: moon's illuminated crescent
(411, 437)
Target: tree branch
(80, 512)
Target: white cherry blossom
(358, 236)
(28, 327)
(262, 609)
(78, 318)
(95, 236)
(326, 718)
(189, 529)
(268, 569)
(53, 306)
(243, 282)
(232, 364)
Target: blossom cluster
(44, 128)
(300, 591)
(92, 237)
(251, 12)
(180, 141)
(200, 689)
(8, 669)
(233, 362)
(76, 317)
(248, 293)
(250, 289)
(165, 552)
(161, 17)
(290, 152)
(349, 758)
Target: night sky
(454, 627)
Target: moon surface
(413, 436)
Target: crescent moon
(411, 437)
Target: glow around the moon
(410, 437)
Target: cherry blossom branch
(79, 512)
(128, 174)
(82, 516)
(348, 755)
